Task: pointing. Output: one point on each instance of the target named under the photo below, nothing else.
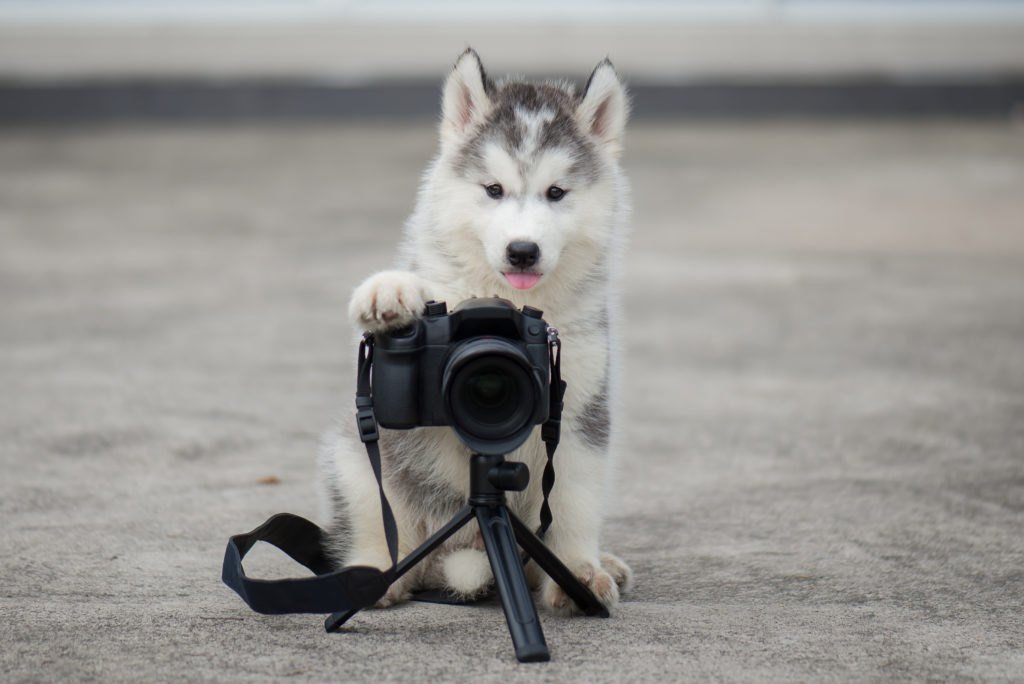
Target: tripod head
(491, 476)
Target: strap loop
(350, 588)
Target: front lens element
(491, 390)
(491, 394)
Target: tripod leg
(520, 613)
(336, 620)
(556, 570)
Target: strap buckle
(550, 430)
(366, 420)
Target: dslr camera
(483, 369)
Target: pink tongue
(522, 281)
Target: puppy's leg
(576, 506)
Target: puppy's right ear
(466, 101)
(604, 107)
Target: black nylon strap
(352, 587)
(347, 589)
(369, 434)
(551, 430)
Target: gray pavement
(823, 476)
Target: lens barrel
(492, 394)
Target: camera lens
(491, 395)
(491, 390)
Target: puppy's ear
(466, 101)
(604, 107)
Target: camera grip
(396, 379)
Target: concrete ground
(824, 467)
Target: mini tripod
(490, 477)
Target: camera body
(483, 369)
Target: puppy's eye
(495, 191)
(555, 193)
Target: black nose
(523, 254)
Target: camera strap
(349, 588)
(366, 421)
(356, 587)
(551, 430)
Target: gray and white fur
(526, 201)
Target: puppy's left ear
(466, 101)
(604, 108)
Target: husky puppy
(525, 201)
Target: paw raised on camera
(605, 580)
(387, 300)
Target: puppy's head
(525, 174)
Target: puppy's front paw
(620, 572)
(592, 576)
(387, 300)
(396, 593)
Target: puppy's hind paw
(387, 301)
(395, 594)
(398, 592)
(620, 572)
(467, 573)
(592, 576)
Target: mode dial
(436, 309)
(532, 312)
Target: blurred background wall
(323, 58)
